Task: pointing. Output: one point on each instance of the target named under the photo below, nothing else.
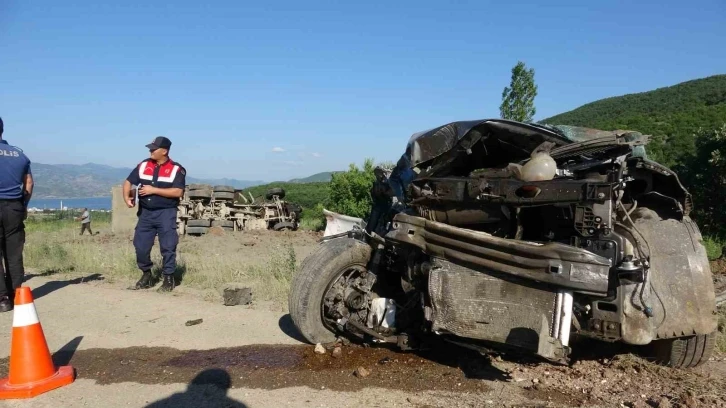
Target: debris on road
(337, 352)
(361, 372)
(234, 296)
(194, 322)
(319, 349)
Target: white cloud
(317, 155)
(277, 150)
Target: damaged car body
(508, 234)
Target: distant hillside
(96, 180)
(315, 178)
(671, 114)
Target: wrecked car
(501, 234)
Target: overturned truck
(204, 206)
(501, 234)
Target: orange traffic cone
(31, 367)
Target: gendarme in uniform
(161, 183)
(16, 187)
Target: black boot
(144, 282)
(6, 304)
(168, 284)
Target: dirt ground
(718, 268)
(141, 349)
(255, 248)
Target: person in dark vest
(160, 182)
(16, 187)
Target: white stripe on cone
(25, 315)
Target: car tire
(684, 352)
(309, 284)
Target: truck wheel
(223, 195)
(685, 352)
(284, 226)
(277, 191)
(223, 189)
(200, 194)
(199, 186)
(223, 223)
(197, 230)
(317, 273)
(198, 223)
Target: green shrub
(714, 248)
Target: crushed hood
(430, 144)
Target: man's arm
(171, 192)
(27, 188)
(132, 179)
(127, 193)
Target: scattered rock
(361, 372)
(637, 404)
(194, 322)
(535, 381)
(664, 403)
(691, 402)
(337, 352)
(319, 349)
(237, 296)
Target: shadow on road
(64, 355)
(288, 327)
(208, 389)
(52, 286)
(44, 274)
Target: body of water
(93, 203)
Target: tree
(518, 98)
(704, 174)
(350, 190)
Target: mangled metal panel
(552, 263)
(485, 306)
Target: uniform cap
(160, 142)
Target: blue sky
(326, 84)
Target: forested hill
(672, 115)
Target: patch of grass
(62, 220)
(714, 247)
(264, 261)
(312, 224)
(313, 218)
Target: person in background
(162, 183)
(16, 188)
(85, 219)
